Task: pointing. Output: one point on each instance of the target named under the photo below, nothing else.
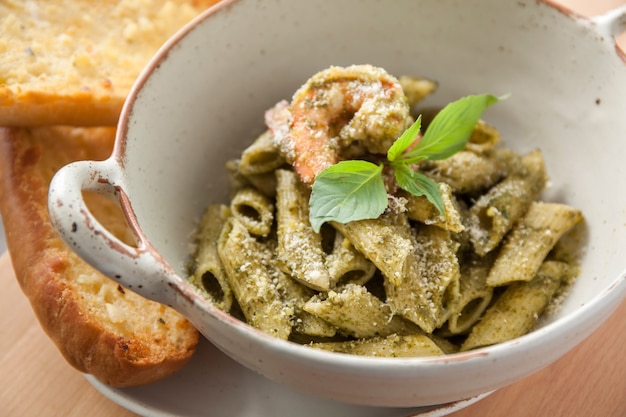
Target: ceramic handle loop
(136, 268)
(612, 23)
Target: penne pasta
(468, 172)
(422, 210)
(236, 180)
(265, 183)
(426, 293)
(254, 210)
(528, 244)
(416, 89)
(386, 241)
(295, 295)
(474, 295)
(208, 272)
(299, 250)
(393, 346)
(484, 138)
(495, 212)
(261, 157)
(517, 310)
(346, 265)
(358, 313)
(251, 275)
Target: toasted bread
(99, 327)
(73, 62)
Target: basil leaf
(451, 128)
(405, 140)
(419, 184)
(347, 191)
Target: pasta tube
(530, 240)
(261, 157)
(250, 271)
(422, 210)
(386, 241)
(416, 89)
(208, 272)
(295, 295)
(265, 183)
(468, 172)
(474, 295)
(358, 313)
(425, 295)
(516, 311)
(393, 346)
(299, 250)
(254, 210)
(484, 138)
(495, 212)
(235, 179)
(347, 265)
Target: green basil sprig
(354, 189)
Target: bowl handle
(140, 269)
(612, 23)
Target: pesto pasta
(472, 261)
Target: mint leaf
(347, 191)
(450, 129)
(405, 140)
(419, 184)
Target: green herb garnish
(354, 190)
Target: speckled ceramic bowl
(202, 99)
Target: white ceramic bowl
(201, 101)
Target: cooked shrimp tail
(353, 110)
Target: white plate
(212, 384)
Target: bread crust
(155, 344)
(52, 107)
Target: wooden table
(36, 381)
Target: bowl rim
(614, 292)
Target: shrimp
(357, 109)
